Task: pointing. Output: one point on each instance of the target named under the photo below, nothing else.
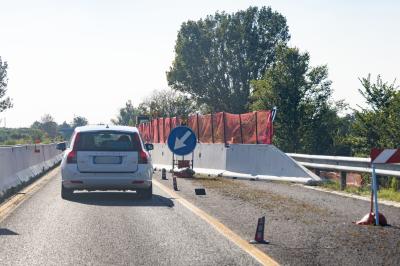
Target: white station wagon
(106, 158)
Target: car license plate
(107, 159)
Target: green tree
(377, 125)
(217, 57)
(164, 103)
(48, 125)
(377, 95)
(5, 102)
(306, 115)
(79, 121)
(65, 130)
(127, 115)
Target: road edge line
(256, 253)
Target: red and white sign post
(381, 156)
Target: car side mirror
(61, 146)
(149, 146)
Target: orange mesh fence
(148, 132)
(218, 127)
(192, 123)
(205, 129)
(263, 127)
(155, 130)
(167, 128)
(175, 122)
(161, 130)
(232, 127)
(248, 128)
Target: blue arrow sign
(182, 141)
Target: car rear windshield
(108, 141)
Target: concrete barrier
(19, 164)
(243, 161)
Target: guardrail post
(256, 128)
(318, 172)
(241, 130)
(343, 176)
(198, 129)
(212, 128)
(224, 121)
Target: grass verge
(383, 193)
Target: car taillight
(76, 141)
(143, 157)
(71, 157)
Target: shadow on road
(120, 199)
(7, 232)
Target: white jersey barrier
(243, 161)
(19, 164)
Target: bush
(394, 184)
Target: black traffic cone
(259, 238)
(164, 174)
(175, 183)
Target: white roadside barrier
(242, 161)
(19, 164)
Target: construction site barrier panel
(248, 161)
(249, 128)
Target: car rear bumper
(101, 184)
(73, 179)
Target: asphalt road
(304, 226)
(109, 228)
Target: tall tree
(65, 130)
(377, 95)
(5, 102)
(377, 125)
(79, 121)
(48, 125)
(306, 116)
(166, 103)
(127, 115)
(217, 57)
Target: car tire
(146, 193)
(66, 193)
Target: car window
(108, 141)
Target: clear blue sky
(88, 58)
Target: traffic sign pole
(375, 188)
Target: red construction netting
(264, 127)
(205, 127)
(232, 126)
(218, 127)
(161, 130)
(248, 128)
(167, 128)
(192, 123)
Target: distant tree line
(46, 130)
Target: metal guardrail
(345, 164)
